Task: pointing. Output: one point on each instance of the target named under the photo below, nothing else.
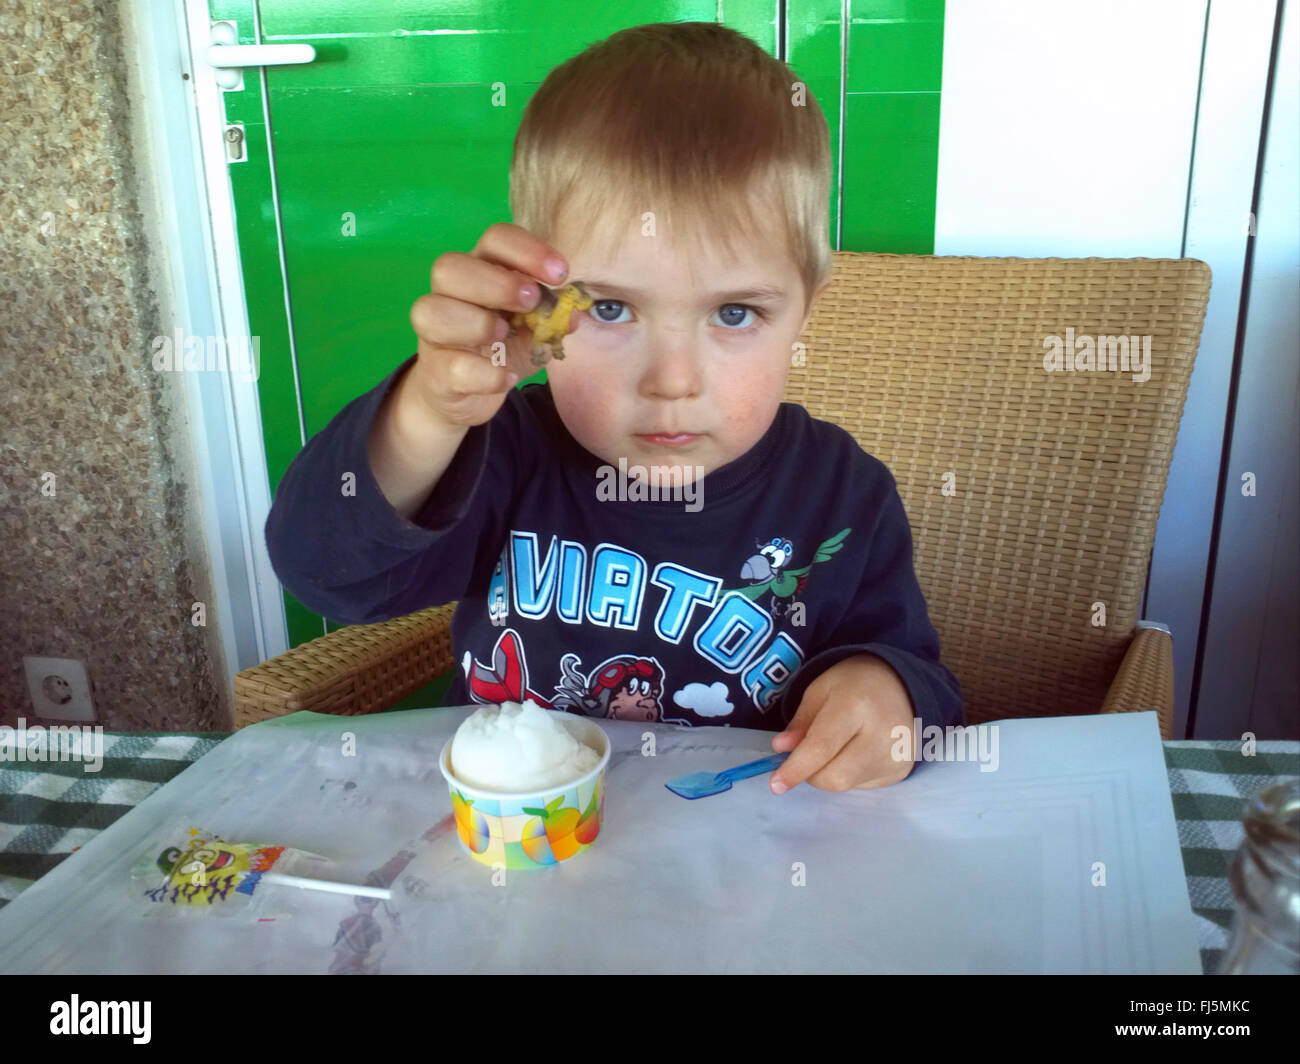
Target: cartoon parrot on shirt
(769, 570)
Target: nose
(674, 370)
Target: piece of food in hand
(549, 320)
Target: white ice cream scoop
(515, 747)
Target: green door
(394, 146)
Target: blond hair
(689, 119)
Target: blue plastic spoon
(703, 784)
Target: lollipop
(208, 871)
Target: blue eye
(731, 323)
(608, 312)
(598, 307)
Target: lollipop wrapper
(203, 873)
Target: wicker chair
(1032, 495)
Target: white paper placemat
(1064, 859)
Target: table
(49, 810)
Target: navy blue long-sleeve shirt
(711, 608)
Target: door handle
(228, 58)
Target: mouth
(668, 439)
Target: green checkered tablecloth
(1210, 783)
(50, 809)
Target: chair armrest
(363, 668)
(1145, 679)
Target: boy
(685, 173)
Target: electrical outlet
(59, 688)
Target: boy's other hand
(841, 736)
(461, 373)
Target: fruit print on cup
(532, 830)
(536, 843)
(471, 825)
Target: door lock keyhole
(234, 144)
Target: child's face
(667, 347)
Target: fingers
(472, 295)
(481, 283)
(832, 767)
(457, 347)
(516, 248)
(862, 755)
(827, 735)
(499, 273)
(465, 349)
(463, 373)
(440, 321)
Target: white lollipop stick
(383, 893)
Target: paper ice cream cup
(532, 829)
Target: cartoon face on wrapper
(211, 871)
(193, 866)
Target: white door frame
(180, 99)
(1234, 77)
(1249, 681)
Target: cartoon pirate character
(624, 687)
